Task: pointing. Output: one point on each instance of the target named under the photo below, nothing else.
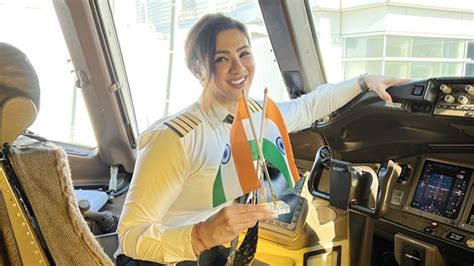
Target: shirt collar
(218, 113)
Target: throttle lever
(387, 177)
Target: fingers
(232, 220)
(252, 213)
(380, 84)
(398, 81)
(385, 96)
(245, 208)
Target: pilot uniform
(178, 159)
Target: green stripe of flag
(218, 196)
(276, 158)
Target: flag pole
(261, 159)
(260, 139)
(262, 128)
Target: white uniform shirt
(177, 163)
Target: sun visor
(17, 75)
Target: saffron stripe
(241, 152)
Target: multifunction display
(441, 189)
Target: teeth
(237, 82)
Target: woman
(168, 215)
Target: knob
(470, 89)
(449, 99)
(463, 99)
(84, 205)
(445, 88)
(470, 243)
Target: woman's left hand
(380, 84)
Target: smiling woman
(224, 63)
(234, 67)
(169, 214)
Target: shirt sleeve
(301, 112)
(160, 172)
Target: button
(471, 108)
(455, 237)
(415, 107)
(470, 243)
(418, 90)
(429, 230)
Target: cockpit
(382, 183)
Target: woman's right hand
(230, 221)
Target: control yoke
(351, 187)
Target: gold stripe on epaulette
(254, 105)
(176, 128)
(188, 121)
(251, 107)
(193, 118)
(183, 124)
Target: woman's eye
(220, 59)
(245, 53)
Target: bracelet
(198, 235)
(361, 82)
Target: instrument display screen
(441, 189)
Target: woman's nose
(237, 67)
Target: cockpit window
(403, 38)
(152, 35)
(33, 27)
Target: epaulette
(183, 123)
(254, 105)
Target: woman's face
(234, 67)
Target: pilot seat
(40, 221)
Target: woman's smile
(238, 83)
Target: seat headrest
(17, 75)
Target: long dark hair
(200, 45)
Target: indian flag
(276, 144)
(236, 175)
